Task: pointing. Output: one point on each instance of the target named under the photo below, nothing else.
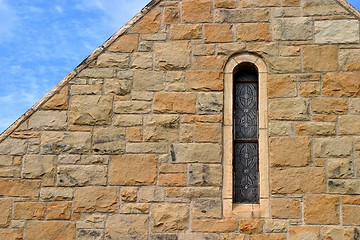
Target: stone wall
(131, 146)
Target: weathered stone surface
(86, 89)
(339, 168)
(206, 208)
(172, 56)
(134, 208)
(243, 15)
(19, 187)
(167, 102)
(127, 120)
(39, 166)
(97, 73)
(294, 28)
(82, 159)
(226, 225)
(134, 134)
(281, 85)
(118, 87)
(12, 146)
(109, 140)
(65, 142)
(285, 208)
(345, 84)
(6, 160)
(133, 170)
(90, 110)
(349, 125)
(132, 107)
(128, 194)
(150, 23)
(204, 80)
(184, 32)
(329, 105)
(11, 234)
(151, 194)
(205, 175)
(202, 12)
(344, 186)
(285, 151)
(332, 233)
(209, 103)
(253, 32)
(304, 232)
(313, 58)
(6, 211)
(56, 194)
(251, 226)
(332, 147)
(142, 60)
(296, 180)
(275, 226)
(172, 179)
(198, 152)
(48, 120)
(126, 43)
(81, 175)
(148, 80)
(108, 59)
(225, 3)
(147, 147)
(281, 64)
(209, 62)
(289, 109)
(59, 101)
(349, 59)
(50, 230)
(354, 107)
(89, 234)
(350, 216)
(218, 33)
(313, 128)
(323, 7)
(170, 217)
(175, 81)
(96, 199)
(59, 211)
(31, 210)
(321, 209)
(337, 31)
(127, 227)
(9, 171)
(280, 128)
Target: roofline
(85, 63)
(96, 53)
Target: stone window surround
(230, 209)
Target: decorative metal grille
(246, 132)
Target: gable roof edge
(349, 7)
(85, 63)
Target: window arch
(245, 177)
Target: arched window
(245, 177)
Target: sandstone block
(172, 179)
(286, 151)
(19, 187)
(170, 217)
(205, 175)
(142, 60)
(218, 33)
(329, 105)
(204, 80)
(198, 152)
(86, 89)
(50, 230)
(337, 31)
(109, 59)
(321, 209)
(10, 171)
(109, 140)
(225, 4)
(350, 216)
(309, 89)
(59, 101)
(12, 146)
(127, 120)
(280, 128)
(349, 125)
(83, 159)
(304, 232)
(251, 226)
(202, 12)
(127, 227)
(337, 233)
(150, 23)
(289, 109)
(6, 211)
(354, 107)
(132, 107)
(172, 56)
(210, 103)
(96, 199)
(323, 7)
(296, 180)
(59, 211)
(134, 208)
(341, 84)
(349, 59)
(65, 142)
(39, 166)
(6, 160)
(56, 194)
(285, 208)
(48, 120)
(281, 86)
(201, 192)
(207, 132)
(253, 32)
(29, 210)
(259, 3)
(11, 234)
(81, 175)
(206, 208)
(281, 64)
(223, 226)
(126, 43)
(313, 128)
(118, 87)
(209, 62)
(344, 186)
(243, 15)
(128, 194)
(332, 147)
(133, 170)
(90, 110)
(89, 234)
(166, 102)
(147, 147)
(151, 194)
(97, 73)
(148, 80)
(293, 28)
(171, 15)
(313, 58)
(185, 32)
(275, 226)
(134, 134)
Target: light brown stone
(275, 226)
(167, 102)
(281, 86)
(349, 59)
(202, 12)
(150, 23)
(309, 89)
(134, 208)
(321, 209)
(172, 179)
(170, 217)
(48, 120)
(133, 170)
(171, 15)
(132, 107)
(128, 194)
(97, 73)
(204, 80)
(127, 226)
(96, 199)
(59, 101)
(142, 60)
(6, 211)
(332, 147)
(172, 56)
(12, 146)
(39, 166)
(253, 32)
(109, 140)
(285, 151)
(185, 32)
(118, 87)
(19, 187)
(334, 31)
(280, 128)
(151, 194)
(223, 226)
(209, 62)
(354, 199)
(85, 234)
(350, 215)
(126, 43)
(10, 171)
(127, 120)
(285, 208)
(81, 175)
(349, 125)
(296, 180)
(197, 152)
(313, 58)
(344, 84)
(109, 59)
(11, 234)
(243, 15)
(147, 147)
(207, 132)
(332, 233)
(205, 174)
(225, 3)
(86, 89)
(344, 186)
(329, 105)
(280, 64)
(134, 134)
(251, 226)
(148, 80)
(259, 3)
(90, 110)
(354, 106)
(56, 194)
(31, 210)
(218, 33)
(210, 103)
(206, 208)
(304, 232)
(50, 230)
(293, 28)
(272, 236)
(316, 129)
(59, 211)
(322, 7)
(289, 109)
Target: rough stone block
(170, 217)
(304, 232)
(59, 101)
(134, 208)
(150, 23)
(204, 80)
(148, 80)
(65, 142)
(285, 208)
(162, 127)
(280, 128)
(81, 175)
(96, 199)
(201, 13)
(293, 28)
(6, 211)
(210, 103)
(289, 109)
(280, 64)
(86, 89)
(118, 87)
(89, 234)
(251, 226)
(166, 102)
(349, 125)
(344, 186)
(223, 226)
(31, 210)
(97, 73)
(185, 32)
(39, 166)
(126, 43)
(205, 175)
(48, 120)
(127, 120)
(332, 147)
(321, 209)
(19, 187)
(225, 4)
(253, 32)
(349, 59)
(337, 31)
(11, 234)
(59, 211)
(132, 107)
(147, 147)
(329, 105)
(314, 58)
(207, 132)
(350, 215)
(172, 179)
(127, 226)
(109, 140)
(50, 230)
(281, 85)
(243, 15)
(133, 170)
(172, 55)
(56, 194)
(151, 194)
(345, 84)
(206, 208)
(316, 129)
(343, 233)
(323, 8)
(197, 152)
(12, 146)
(218, 33)
(340, 168)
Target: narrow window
(246, 134)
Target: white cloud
(8, 23)
(59, 9)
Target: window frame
(230, 209)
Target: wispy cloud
(59, 9)
(8, 23)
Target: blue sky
(41, 41)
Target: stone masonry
(130, 144)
